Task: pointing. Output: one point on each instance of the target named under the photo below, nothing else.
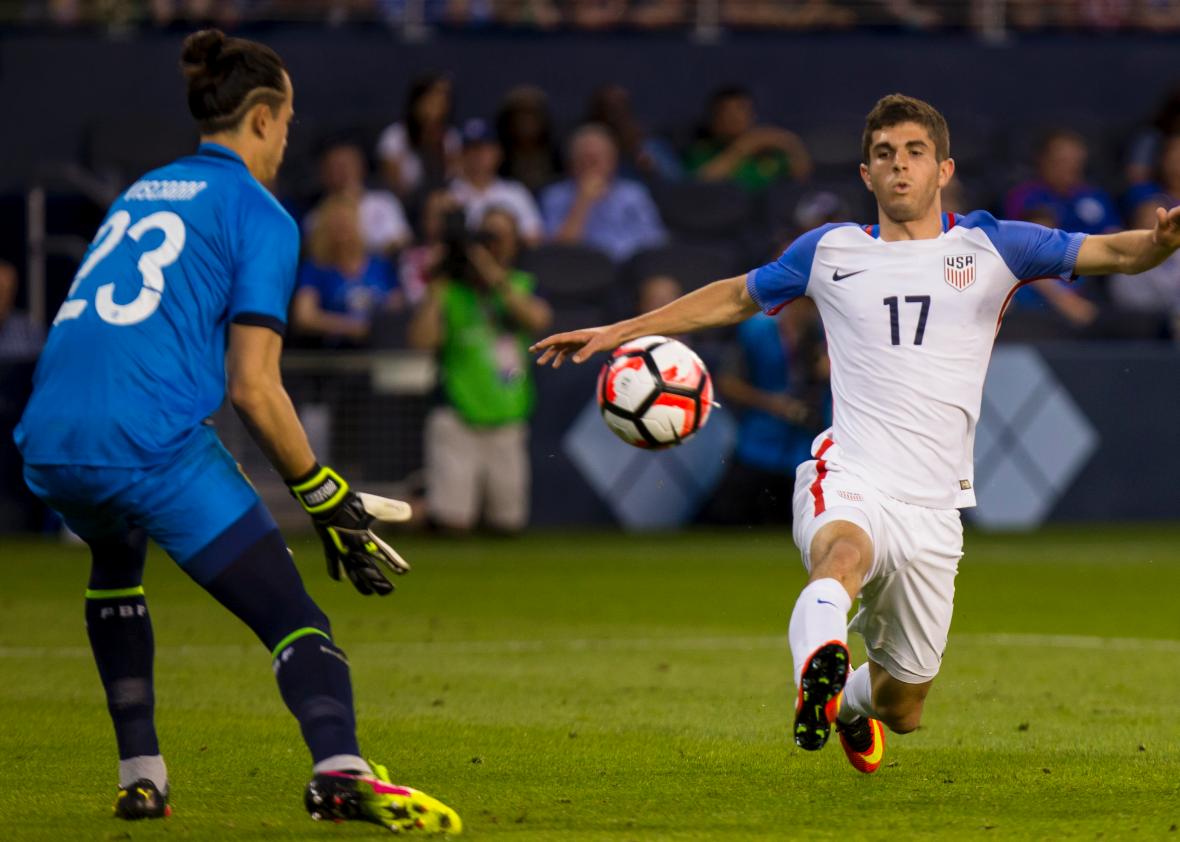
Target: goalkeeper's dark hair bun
(227, 76)
(200, 50)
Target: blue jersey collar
(216, 150)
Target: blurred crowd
(470, 238)
(987, 16)
(386, 218)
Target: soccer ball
(654, 392)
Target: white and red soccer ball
(654, 392)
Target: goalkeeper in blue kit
(182, 295)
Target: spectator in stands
(461, 13)
(820, 207)
(658, 14)
(641, 155)
(1158, 15)
(422, 150)
(224, 14)
(734, 148)
(776, 378)
(20, 336)
(417, 263)
(384, 228)
(775, 14)
(914, 15)
(1144, 149)
(1156, 291)
(479, 315)
(1164, 185)
(596, 207)
(656, 291)
(525, 128)
(342, 287)
(536, 14)
(1060, 186)
(596, 14)
(478, 188)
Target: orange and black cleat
(141, 800)
(864, 743)
(820, 686)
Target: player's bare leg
(841, 557)
(872, 700)
(896, 703)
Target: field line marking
(622, 644)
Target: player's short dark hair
(229, 76)
(895, 109)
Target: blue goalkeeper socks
(315, 683)
(120, 632)
(263, 589)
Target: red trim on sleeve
(821, 470)
(1012, 292)
(774, 311)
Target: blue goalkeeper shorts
(198, 506)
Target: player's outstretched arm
(342, 517)
(720, 303)
(1131, 252)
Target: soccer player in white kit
(911, 307)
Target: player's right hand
(581, 344)
(343, 518)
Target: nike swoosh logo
(825, 602)
(836, 276)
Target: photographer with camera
(478, 316)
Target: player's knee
(842, 552)
(900, 717)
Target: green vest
(484, 359)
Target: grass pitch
(609, 687)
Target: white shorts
(908, 597)
(474, 470)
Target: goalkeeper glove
(343, 519)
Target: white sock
(150, 766)
(820, 616)
(858, 696)
(342, 763)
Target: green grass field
(609, 687)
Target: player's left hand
(578, 345)
(343, 518)
(1167, 228)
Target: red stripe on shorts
(821, 470)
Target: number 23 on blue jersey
(151, 268)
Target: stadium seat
(570, 274)
(782, 200)
(835, 144)
(714, 209)
(692, 265)
(128, 145)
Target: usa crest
(959, 270)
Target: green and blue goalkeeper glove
(343, 518)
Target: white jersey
(910, 327)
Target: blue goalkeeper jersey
(135, 360)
